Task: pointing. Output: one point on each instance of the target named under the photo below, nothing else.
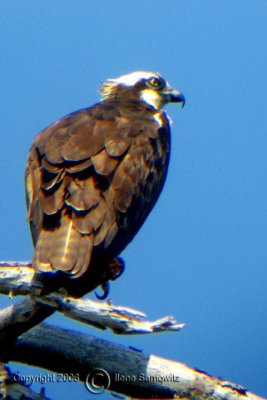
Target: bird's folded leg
(115, 269)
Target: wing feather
(91, 180)
(103, 163)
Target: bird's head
(149, 87)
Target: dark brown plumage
(93, 177)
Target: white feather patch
(134, 77)
(152, 97)
(158, 120)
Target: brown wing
(91, 180)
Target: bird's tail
(61, 247)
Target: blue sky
(201, 255)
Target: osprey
(93, 177)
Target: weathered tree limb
(20, 280)
(131, 372)
(3, 379)
(12, 388)
(19, 318)
(121, 320)
(18, 277)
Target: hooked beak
(173, 96)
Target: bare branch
(121, 320)
(131, 372)
(19, 279)
(11, 388)
(19, 318)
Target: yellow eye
(154, 82)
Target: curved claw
(105, 288)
